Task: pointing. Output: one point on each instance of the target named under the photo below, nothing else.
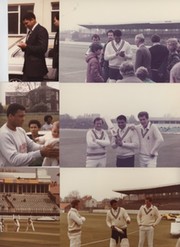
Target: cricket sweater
(150, 139)
(97, 141)
(110, 53)
(118, 217)
(75, 221)
(148, 216)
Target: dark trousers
(128, 162)
(114, 74)
(116, 235)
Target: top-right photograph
(120, 41)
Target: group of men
(16, 148)
(152, 64)
(117, 219)
(143, 139)
(35, 47)
(30, 224)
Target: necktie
(28, 35)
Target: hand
(128, 221)
(83, 219)
(22, 45)
(122, 54)
(118, 141)
(49, 151)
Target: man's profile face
(17, 119)
(29, 23)
(56, 22)
(121, 123)
(144, 121)
(98, 125)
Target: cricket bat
(111, 126)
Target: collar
(148, 126)
(141, 45)
(123, 130)
(34, 27)
(157, 43)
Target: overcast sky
(100, 183)
(113, 99)
(11, 87)
(74, 12)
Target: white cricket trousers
(75, 240)
(146, 231)
(147, 161)
(124, 243)
(96, 163)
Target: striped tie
(28, 35)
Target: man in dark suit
(159, 56)
(56, 48)
(34, 48)
(143, 55)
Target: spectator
(95, 40)
(94, 71)
(175, 73)
(173, 58)
(143, 75)
(159, 56)
(34, 127)
(48, 123)
(143, 55)
(127, 72)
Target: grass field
(38, 116)
(73, 64)
(95, 233)
(46, 234)
(73, 150)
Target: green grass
(95, 229)
(30, 116)
(74, 142)
(46, 234)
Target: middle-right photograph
(120, 125)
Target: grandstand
(165, 29)
(28, 194)
(166, 197)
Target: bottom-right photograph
(111, 207)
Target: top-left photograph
(33, 40)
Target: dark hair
(113, 201)
(33, 121)
(117, 33)
(95, 47)
(155, 38)
(29, 16)
(109, 31)
(46, 117)
(121, 117)
(13, 108)
(74, 203)
(57, 16)
(98, 119)
(96, 36)
(142, 114)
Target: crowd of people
(35, 47)
(114, 62)
(117, 219)
(19, 149)
(143, 139)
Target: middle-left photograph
(29, 124)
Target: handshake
(120, 53)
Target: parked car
(16, 60)
(170, 216)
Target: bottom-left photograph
(29, 207)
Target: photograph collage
(90, 123)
